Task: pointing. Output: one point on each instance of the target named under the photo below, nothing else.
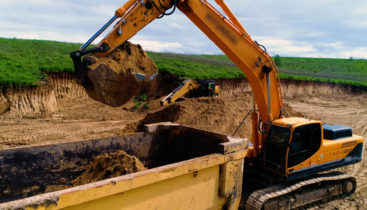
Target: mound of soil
(112, 78)
(287, 111)
(109, 165)
(217, 114)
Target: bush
(145, 106)
(141, 98)
(277, 60)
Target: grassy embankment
(22, 62)
(344, 71)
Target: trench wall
(43, 98)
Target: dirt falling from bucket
(112, 78)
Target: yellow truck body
(212, 180)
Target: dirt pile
(217, 114)
(109, 165)
(222, 115)
(112, 79)
(287, 111)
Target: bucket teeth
(139, 76)
(153, 76)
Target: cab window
(306, 141)
(276, 147)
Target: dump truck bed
(187, 169)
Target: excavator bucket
(118, 77)
(112, 87)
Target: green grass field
(22, 62)
(345, 71)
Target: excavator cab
(296, 148)
(291, 145)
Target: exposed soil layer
(40, 100)
(112, 80)
(109, 165)
(78, 117)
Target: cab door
(305, 142)
(275, 149)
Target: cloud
(291, 28)
(158, 46)
(360, 52)
(283, 47)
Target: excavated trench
(43, 99)
(61, 101)
(60, 112)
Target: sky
(307, 28)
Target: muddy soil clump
(109, 165)
(112, 79)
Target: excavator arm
(184, 88)
(193, 88)
(227, 33)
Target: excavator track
(320, 188)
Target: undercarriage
(302, 193)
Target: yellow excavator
(192, 88)
(289, 158)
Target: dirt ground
(78, 117)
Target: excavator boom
(228, 34)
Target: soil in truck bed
(109, 165)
